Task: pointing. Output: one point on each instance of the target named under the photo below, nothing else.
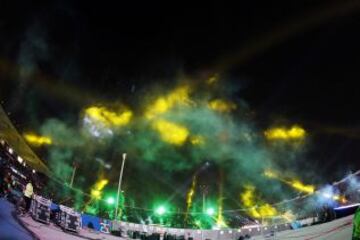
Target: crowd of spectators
(18, 181)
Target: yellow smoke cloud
(36, 140)
(294, 183)
(197, 140)
(270, 173)
(280, 133)
(95, 193)
(96, 190)
(108, 118)
(190, 195)
(266, 210)
(221, 105)
(171, 132)
(220, 220)
(179, 96)
(247, 197)
(213, 79)
(302, 187)
(101, 184)
(256, 208)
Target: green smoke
(158, 170)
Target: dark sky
(297, 60)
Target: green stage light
(161, 210)
(110, 200)
(210, 211)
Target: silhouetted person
(28, 193)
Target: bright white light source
(96, 129)
(20, 160)
(33, 171)
(2, 142)
(327, 195)
(11, 151)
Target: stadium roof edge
(10, 134)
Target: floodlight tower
(204, 189)
(119, 185)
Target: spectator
(28, 192)
(2, 180)
(6, 185)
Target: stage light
(210, 211)
(327, 195)
(161, 210)
(110, 200)
(20, 160)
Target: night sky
(290, 61)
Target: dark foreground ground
(10, 228)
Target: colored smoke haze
(282, 133)
(179, 96)
(108, 117)
(172, 131)
(221, 105)
(294, 183)
(36, 140)
(256, 207)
